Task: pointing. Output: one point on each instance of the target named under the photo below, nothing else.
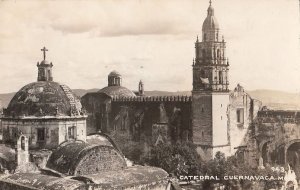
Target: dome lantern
(114, 79)
(44, 68)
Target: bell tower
(210, 94)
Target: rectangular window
(71, 132)
(41, 134)
(240, 115)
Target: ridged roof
(117, 91)
(44, 98)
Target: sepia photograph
(149, 95)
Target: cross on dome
(44, 52)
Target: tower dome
(210, 23)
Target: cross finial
(209, 2)
(44, 52)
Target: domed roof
(44, 98)
(114, 74)
(117, 91)
(210, 23)
(104, 158)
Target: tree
(179, 158)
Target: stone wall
(134, 117)
(210, 123)
(55, 131)
(202, 119)
(97, 106)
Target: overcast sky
(152, 40)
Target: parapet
(153, 99)
(290, 116)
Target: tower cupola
(44, 68)
(210, 27)
(114, 79)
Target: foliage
(179, 158)
(231, 166)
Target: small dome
(210, 23)
(114, 74)
(45, 62)
(117, 91)
(44, 98)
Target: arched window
(203, 53)
(204, 37)
(220, 77)
(49, 73)
(218, 53)
(23, 143)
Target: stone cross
(44, 52)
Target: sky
(148, 40)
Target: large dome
(44, 98)
(117, 91)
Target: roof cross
(44, 52)
(210, 2)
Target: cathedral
(208, 118)
(45, 145)
(47, 112)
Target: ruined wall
(241, 112)
(276, 131)
(55, 131)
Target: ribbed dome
(210, 23)
(44, 98)
(117, 91)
